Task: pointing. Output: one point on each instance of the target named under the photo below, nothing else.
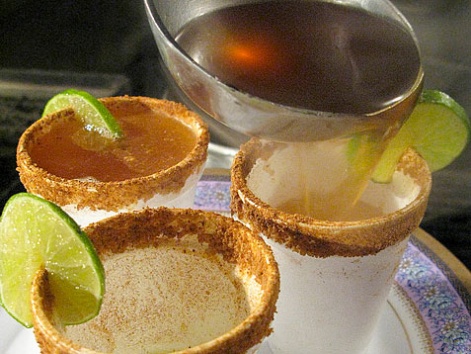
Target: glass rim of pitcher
(299, 111)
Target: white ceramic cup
(87, 200)
(177, 280)
(335, 275)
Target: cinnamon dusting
(309, 236)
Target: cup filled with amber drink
(323, 89)
(156, 161)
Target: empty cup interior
(175, 280)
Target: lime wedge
(35, 234)
(90, 110)
(438, 129)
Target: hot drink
(157, 162)
(316, 55)
(320, 56)
(153, 141)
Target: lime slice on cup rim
(37, 234)
(438, 129)
(90, 110)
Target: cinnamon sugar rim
(322, 238)
(113, 195)
(236, 243)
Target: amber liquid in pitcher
(320, 56)
(317, 55)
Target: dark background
(114, 37)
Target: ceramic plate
(428, 309)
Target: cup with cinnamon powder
(157, 162)
(335, 275)
(177, 280)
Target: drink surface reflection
(77, 155)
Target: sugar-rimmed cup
(91, 200)
(335, 275)
(178, 280)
